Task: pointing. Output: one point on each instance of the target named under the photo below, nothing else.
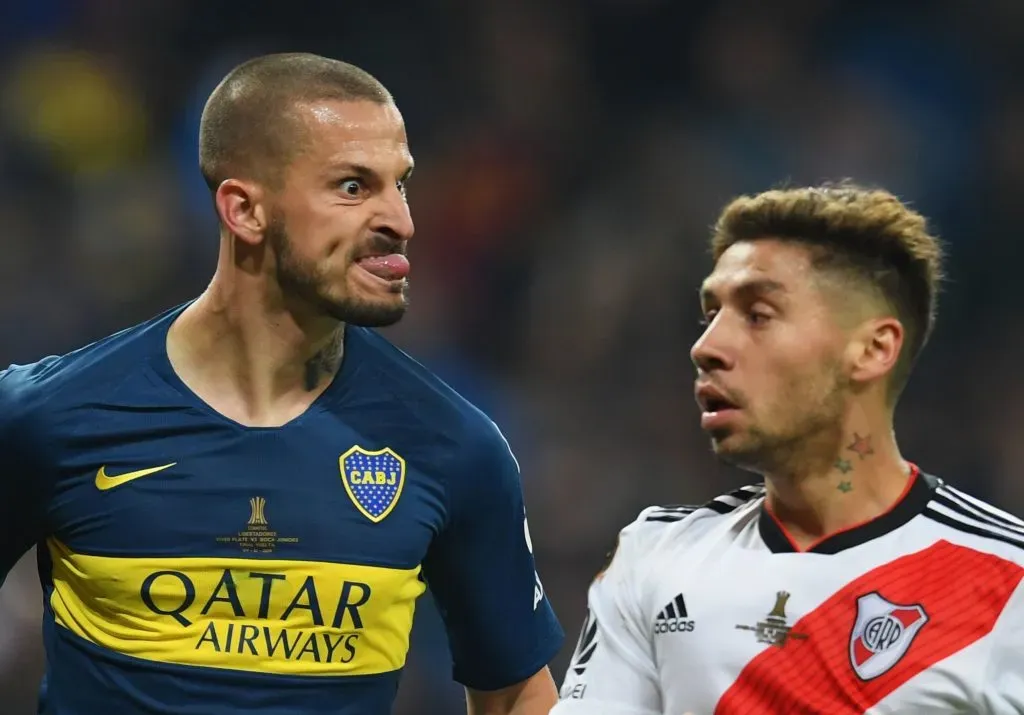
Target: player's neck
(251, 356)
(849, 483)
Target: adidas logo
(673, 618)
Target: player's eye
(351, 187)
(758, 318)
(400, 185)
(708, 317)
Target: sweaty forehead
(359, 132)
(764, 266)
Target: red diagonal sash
(962, 591)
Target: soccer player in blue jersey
(238, 503)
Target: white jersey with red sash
(712, 611)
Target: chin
(366, 299)
(368, 313)
(392, 295)
(725, 448)
(736, 451)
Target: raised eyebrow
(345, 170)
(366, 173)
(360, 170)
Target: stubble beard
(810, 432)
(301, 279)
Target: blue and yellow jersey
(192, 565)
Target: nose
(710, 352)
(393, 217)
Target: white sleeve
(612, 671)
(1004, 677)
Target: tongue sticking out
(392, 267)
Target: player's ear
(241, 209)
(874, 348)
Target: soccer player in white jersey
(849, 581)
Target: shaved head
(251, 127)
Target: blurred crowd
(571, 158)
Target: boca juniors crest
(882, 634)
(373, 480)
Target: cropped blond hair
(865, 234)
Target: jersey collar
(911, 503)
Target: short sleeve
(612, 671)
(1004, 682)
(481, 571)
(21, 490)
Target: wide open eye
(351, 187)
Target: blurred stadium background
(571, 156)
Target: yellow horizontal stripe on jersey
(270, 616)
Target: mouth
(711, 399)
(717, 408)
(388, 267)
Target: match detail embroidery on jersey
(257, 536)
(819, 674)
(774, 629)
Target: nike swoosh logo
(105, 481)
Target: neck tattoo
(326, 362)
(857, 451)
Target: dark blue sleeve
(22, 493)
(481, 571)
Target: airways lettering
(248, 639)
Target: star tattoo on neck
(861, 446)
(843, 465)
(845, 487)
